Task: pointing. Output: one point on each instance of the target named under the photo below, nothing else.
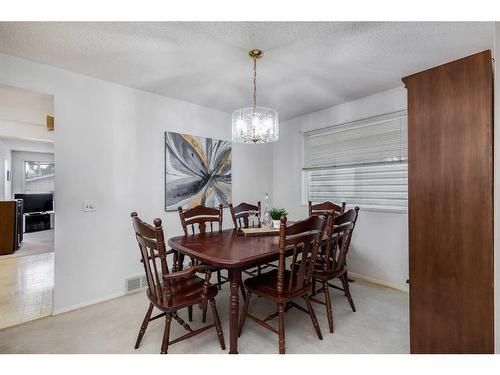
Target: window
(38, 177)
(363, 163)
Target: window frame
(24, 175)
(304, 178)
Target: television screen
(36, 202)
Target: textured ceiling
(306, 66)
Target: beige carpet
(380, 325)
(34, 243)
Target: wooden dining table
(231, 250)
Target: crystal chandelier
(255, 124)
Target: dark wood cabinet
(450, 209)
(11, 219)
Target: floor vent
(135, 284)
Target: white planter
(276, 223)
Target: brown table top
(227, 248)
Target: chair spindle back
(202, 216)
(152, 248)
(304, 237)
(348, 216)
(241, 215)
(326, 207)
(339, 233)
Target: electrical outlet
(89, 206)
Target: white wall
(5, 165)
(16, 144)
(109, 148)
(18, 159)
(380, 244)
(23, 113)
(25, 106)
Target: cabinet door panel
(450, 208)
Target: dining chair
(168, 291)
(325, 207)
(332, 263)
(199, 219)
(297, 241)
(243, 218)
(338, 220)
(242, 215)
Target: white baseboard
(87, 303)
(373, 280)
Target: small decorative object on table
(260, 231)
(276, 214)
(265, 219)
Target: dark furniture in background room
(450, 212)
(37, 211)
(36, 222)
(20, 228)
(10, 228)
(172, 291)
(37, 202)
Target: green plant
(277, 213)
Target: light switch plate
(89, 206)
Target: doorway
(27, 190)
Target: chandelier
(255, 124)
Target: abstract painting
(197, 171)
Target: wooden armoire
(450, 206)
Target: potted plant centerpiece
(276, 214)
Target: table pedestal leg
(234, 282)
(180, 262)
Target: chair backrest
(152, 248)
(348, 216)
(339, 233)
(304, 238)
(201, 215)
(241, 215)
(325, 207)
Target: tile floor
(380, 325)
(26, 285)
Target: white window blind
(362, 163)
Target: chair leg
(219, 280)
(218, 327)
(328, 304)
(242, 288)
(313, 317)
(190, 313)
(347, 277)
(281, 314)
(166, 333)
(347, 292)
(204, 314)
(314, 287)
(244, 313)
(144, 326)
